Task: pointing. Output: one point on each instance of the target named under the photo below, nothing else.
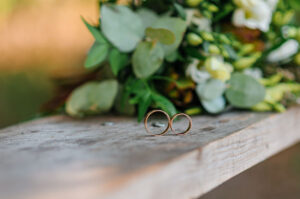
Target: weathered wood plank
(59, 157)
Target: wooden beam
(59, 157)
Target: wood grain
(59, 157)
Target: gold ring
(189, 127)
(146, 122)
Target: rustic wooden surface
(58, 157)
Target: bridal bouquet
(191, 55)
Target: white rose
(198, 76)
(254, 14)
(285, 51)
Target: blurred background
(44, 41)
(41, 42)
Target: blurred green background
(40, 43)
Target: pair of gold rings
(170, 123)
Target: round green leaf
(164, 36)
(210, 90)
(146, 59)
(177, 26)
(147, 16)
(244, 91)
(92, 98)
(214, 106)
(96, 55)
(121, 26)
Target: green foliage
(147, 16)
(162, 35)
(163, 103)
(121, 26)
(167, 53)
(244, 91)
(96, 55)
(147, 59)
(117, 60)
(95, 32)
(177, 26)
(92, 98)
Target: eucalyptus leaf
(162, 35)
(211, 89)
(97, 54)
(214, 106)
(121, 26)
(147, 16)
(92, 98)
(180, 10)
(95, 32)
(244, 91)
(177, 26)
(146, 59)
(164, 104)
(117, 60)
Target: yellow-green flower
(218, 69)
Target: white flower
(218, 69)
(198, 76)
(285, 51)
(254, 14)
(193, 16)
(253, 72)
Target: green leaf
(117, 60)
(172, 57)
(122, 104)
(162, 35)
(95, 32)
(96, 55)
(214, 106)
(230, 51)
(295, 4)
(146, 59)
(121, 26)
(177, 26)
(144, 103)
(92, 98)
(164, 104)
(147, 16)
(210, 90)
(180, 10)
(244, 91)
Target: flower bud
(193, 39)
(193, 3)
(213, 8)
(246, 62)
(207, 36)
(297, 59)
(193, 111)
(279, 107)
(213, 49)
(262, 107)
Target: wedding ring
(188, 128)
(146, 122)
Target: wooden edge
(201, 170)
